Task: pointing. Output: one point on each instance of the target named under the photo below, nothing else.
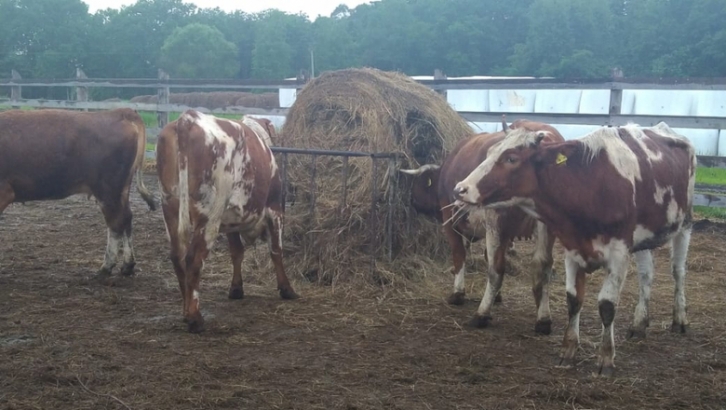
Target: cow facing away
(53, 154)
(218, 176)
(432, 194)
(610, 193)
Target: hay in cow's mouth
(365, 110)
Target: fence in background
(615, 87)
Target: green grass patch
(711, 176)
(710, 212)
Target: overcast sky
(312, 8)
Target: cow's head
(269, 127)
(508, 175)
(424, 191)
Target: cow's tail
(139, 166)
(183, 128)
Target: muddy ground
(70, 343)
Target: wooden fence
(164, 84)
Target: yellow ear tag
(561, 159)
(429, 182)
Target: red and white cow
(432, 194)
(218, 175)
(610, 193)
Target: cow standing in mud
(432, 194)
(218, 175)
(53, 154)
(610, 193)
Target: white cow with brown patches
(218, 176)
(613, 192)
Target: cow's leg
(170, 210)
(679, 253)
(129, 259)
(237, 251)
(458, 252)
(197, 252)
(117, 213)
(575, 287)
(607, 302)
(274, 235)
(7, 196)
(644, 262)
(541, 275)
(113, 242)
(497, 248)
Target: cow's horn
(505, 127)
(420, 170)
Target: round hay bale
(371, 111)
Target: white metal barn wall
(634, 102)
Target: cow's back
(664, 186)
(51, 154)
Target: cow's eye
(511, 160)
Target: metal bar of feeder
(373, 221)
(312, 185)
(345, 184)
(393, 190)
(284, 181)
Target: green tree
(35, 48)
(199, 51)
(563, 34)
(272, 55)
(238, 28)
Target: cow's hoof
(543, 327)
(636, 333)
(564, 362)
(128, 270)
(679, 328)
(103, 276)
(103, 273)
(236, 293)
(456, 299)
(288, 294)
(479, 322)
(498, 299)
(606, 371)
(195, 323)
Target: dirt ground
(70, 343)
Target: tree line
(561, 38)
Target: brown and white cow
(610, 193)
(432, 194)
(53, 154)
(218, 175)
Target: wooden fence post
(162, 93)
(439, 75)
(15, 91)
(81, 92)
(616, 96)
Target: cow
(432, 194)
(218, 176)
(613, 192)
(54, 154)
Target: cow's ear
(270, 128)
(542, 136)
